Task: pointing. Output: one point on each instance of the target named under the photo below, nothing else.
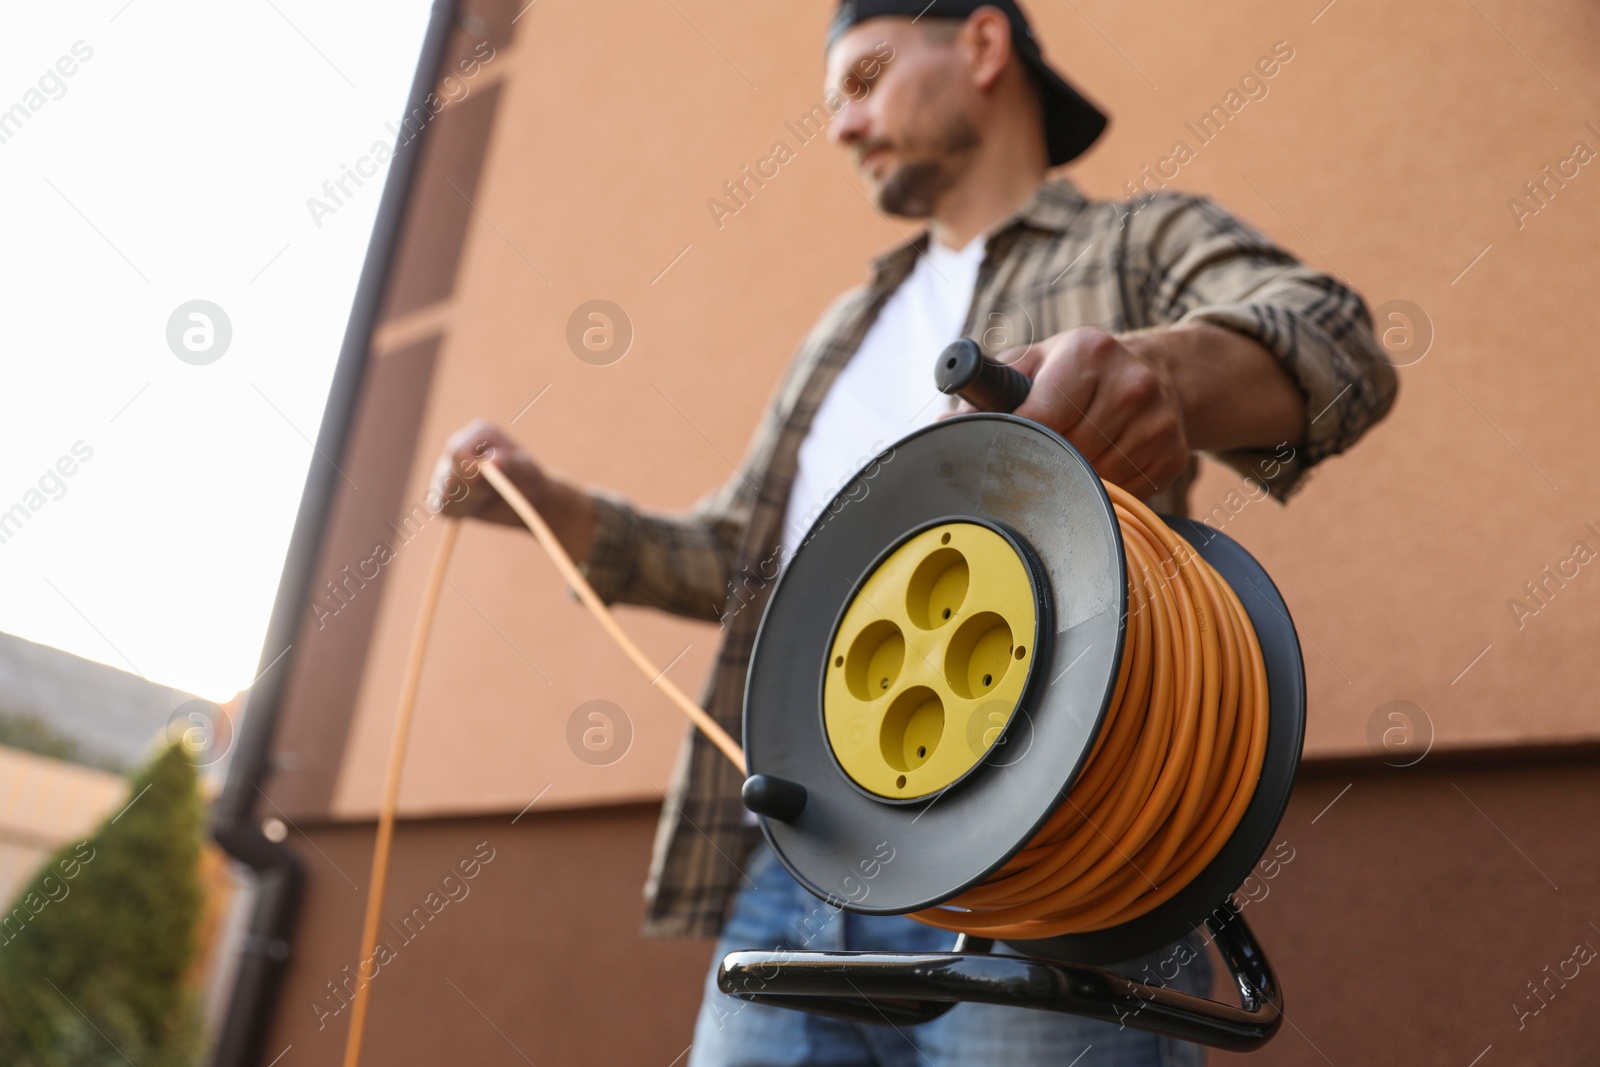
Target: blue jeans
(776, 913)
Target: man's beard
(913, 190)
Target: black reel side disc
(1017, 475)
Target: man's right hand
(466, 493)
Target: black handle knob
(774, 797)
(986, 385)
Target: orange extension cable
(1170, 775)
(421, 629)
(1168, 780)
(408, 702)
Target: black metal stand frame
(908, 988)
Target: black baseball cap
(1071, 122)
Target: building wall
(1419, 906)
(1416, 906)
(45, 804)
(580, 164)
(537, 954)
(1387, 150)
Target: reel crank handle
(964, 371)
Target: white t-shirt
(886, 390)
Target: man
(1152, 330)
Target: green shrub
(94, 952)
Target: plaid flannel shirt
(1061, 261)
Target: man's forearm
(567, 509)
(1234, 392)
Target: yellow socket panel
(929, 661)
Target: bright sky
(173, 164)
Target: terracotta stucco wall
(1404, 929)
(1385, 150)
(1420, 902)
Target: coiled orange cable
(1172, 771)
